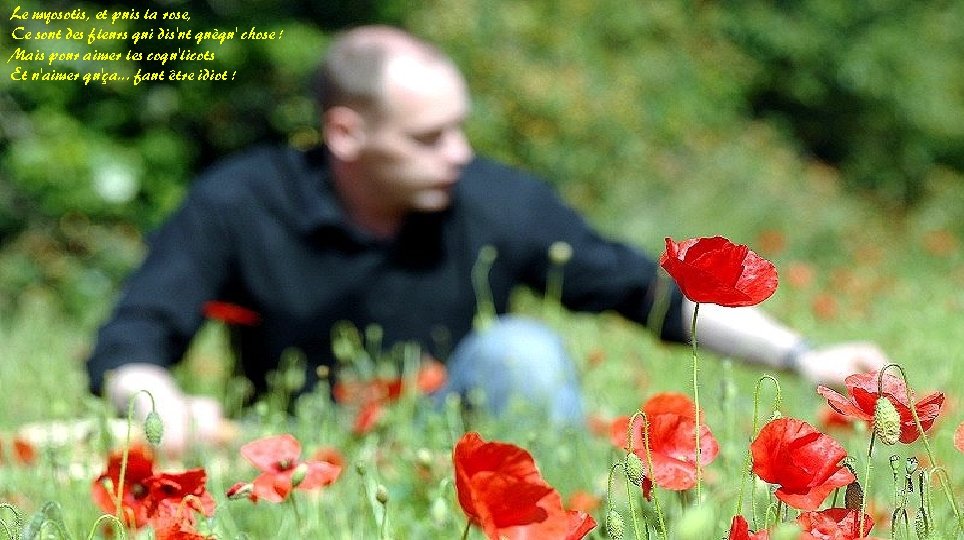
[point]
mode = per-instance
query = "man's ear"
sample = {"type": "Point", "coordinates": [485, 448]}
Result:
{"type": "Point", "coordinates": [344, 132]}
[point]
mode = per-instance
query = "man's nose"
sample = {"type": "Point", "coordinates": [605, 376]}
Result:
{"type": "Point", "coordinates": [457, 148]}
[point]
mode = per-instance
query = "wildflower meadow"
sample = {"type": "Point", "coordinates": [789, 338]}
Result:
{"type": "Point", "coordinates": [738, 460]}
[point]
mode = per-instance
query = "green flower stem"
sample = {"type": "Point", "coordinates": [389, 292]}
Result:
{"type": "Point", "coordinates": [107, 517]}
{"type": "Point", "coordinates": [945, 484]}
{"type": "Point", "coordinates": [17, 518]}
{"type": "Point", "coordinates": [649, 467]}
{"type": "Point", "coordinates": [465, 532]}
{"type": "Point", "coordinates": [926, 510]}
{"type": "Point", "coordinates": [294, 508]}
{"type": "Point", "coordinates": [119, 499]}
{"type": "Point", "coordinates": [696, 404]}
{"type": "Point", "coordinates": [630, 492]}
{"type": "Point", "coordinates": [49, 514]}
{"type": "Point", "coordinates": [748, 462]}
{"type": "Point", "coordinates": [485, 308]}
{"type": "Point", "coordinates": [384, 526]}
{"type": "Point", "coordinates": [867, 469]}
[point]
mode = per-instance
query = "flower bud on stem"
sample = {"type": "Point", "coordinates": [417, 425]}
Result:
{"type": "Point", "coordinates": [119, 500]}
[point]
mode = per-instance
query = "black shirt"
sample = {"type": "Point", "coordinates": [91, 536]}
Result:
{"type": "Point", "coordinates": [265, 230]}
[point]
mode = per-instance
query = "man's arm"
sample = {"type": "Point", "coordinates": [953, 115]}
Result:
{"type": "Point", "coordinates": [749, 334]}
{"type": "Point", "coordinates": [157, 315]}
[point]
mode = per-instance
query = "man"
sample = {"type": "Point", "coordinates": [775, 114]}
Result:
{"type": "Point", "coordinates": [384, 225]}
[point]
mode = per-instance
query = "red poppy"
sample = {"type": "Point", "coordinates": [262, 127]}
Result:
{"type": "Point", "coordinates": [240, 490]}
{"type": "Point", "coordinates": [176, 521]}
{"type": "Point", "coordinates": [671, 440]}
{"type": "Point", "coordinates": [717, 271]}
{"type": "Point", "coordinates": [23, 452]}
{"type": "Point", "coordinates": [559, 523]}
{"type": "Point", "coordinates": [368, 416]}
{"type": "Point", "coordinates": [175, 488]}
{"type": "Point", "coordinates": [500, 490]}
{"type": "Point", "coordinates": [862, 388]}
{"type": "Point", "coordinates": [139, 472]}
{"type": "Point", "coordinates": [231, 314]}
{"type": "Point", "coordinates": [277, 457]}
{"type": "Point", "coordinates": [583, 501]}
{"type": "Point", "coordinates": [370, 396]}
{"type": "Point", "coordinates": [799, 274]}
{"type": "Point", "coordinates": [740, 530]}
{"type": "Point", "coordinates": [828, 418]}
{"type": "Point", "coordinates": [802, 461]}
{"type": "Point", "coordinates": [431, 377]}
{"type": "Point", "coordinates": [359, 392]}
{"type": "Point", "coordinates": [329, 454]}
{"type": "Point", "coordinates": [833, 524]}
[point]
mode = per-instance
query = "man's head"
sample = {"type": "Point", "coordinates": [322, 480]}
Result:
{"type": "Point", "coordinates": [393, 108]}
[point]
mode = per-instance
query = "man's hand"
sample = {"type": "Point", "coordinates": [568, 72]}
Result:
{"type": "Point", "coordinates": [831, 365]}
{"type": "Point", "coordinates": [187, 419]}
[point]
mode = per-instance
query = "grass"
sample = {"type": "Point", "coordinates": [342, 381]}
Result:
{"type": "Point", "coordinates": [858, 275]}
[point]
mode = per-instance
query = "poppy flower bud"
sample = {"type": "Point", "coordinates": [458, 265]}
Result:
{"type": "Point", "coordinates": [886, 421]}
{"type": "Point", "coordinates": [423, 456]}
{"type": "Point", "coordinates": [920, 525]}
{"type": "Point", "coordinates": [439, 511]}
{"type": "Point", "coordinates": [895, 465]}
{"type": "Point", "coordinates": [634, 468]}
{"type": "Point", "coordinates": [239, 490]}
{"type": "Point", "coordinates": [854, 496]}
{"type": "Point", "coordinates": [153, 428]}
{"type": "Point", "coordinates": [911, 464]}
{"type": "Point", "coordinates": [298, 476]}
{"type": "Point", "coordinates": [614, 525]}
{"type": "Point", "coordinates": [381, 494]}
{"type": "Point", "coordinates": [560, 253]}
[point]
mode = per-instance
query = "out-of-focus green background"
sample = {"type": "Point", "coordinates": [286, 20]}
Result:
{"type": "Point", "coordinates": [827, 135]}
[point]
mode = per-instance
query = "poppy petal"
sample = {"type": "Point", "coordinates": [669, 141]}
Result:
{"type": "Point", "coordinates": [267, 453]}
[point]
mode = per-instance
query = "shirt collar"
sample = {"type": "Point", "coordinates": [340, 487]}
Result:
{"type": "Point", "coordinates": [316, 202]}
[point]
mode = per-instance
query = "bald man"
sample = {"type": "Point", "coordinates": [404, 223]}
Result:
{"type": "Point", "coordinates": [383, 225]}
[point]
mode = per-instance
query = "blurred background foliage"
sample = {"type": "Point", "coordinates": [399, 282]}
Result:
{"type": "Point", "coordinates": [656, 118]}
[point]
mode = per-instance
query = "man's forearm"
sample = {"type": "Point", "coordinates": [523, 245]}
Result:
{"type": "Point", "coordinates": [746, 333]}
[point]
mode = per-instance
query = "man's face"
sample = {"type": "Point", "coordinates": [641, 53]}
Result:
{"type": "Point", "coordinates": [415, 148]}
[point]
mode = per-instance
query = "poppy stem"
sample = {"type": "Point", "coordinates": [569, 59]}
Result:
{"type": "Point", "coordinates": [866, 486]}
{"type": "Point", "coordinates": [106, 517]}
{"type": "Point", "coordinates": [629, 484]}
{"type": "Point", "coordinates": [465, 533]}
{"type": "Point", "coordinates": [485, 311]}
{"type": "Point", "coordinates": [294, 508]}
{"type": "Point", "coordinates": [119, 499]}
{"type": "Point", "coordinates": [696, 403]}
{"type": "Point", "coordinates": [631, 496]}
{"type": "Point", "coordinates": [748, 462]}
{"type": "Point", "coordinates": [17, 518]}
{"type": "Point", "coordinates": [649, 467]}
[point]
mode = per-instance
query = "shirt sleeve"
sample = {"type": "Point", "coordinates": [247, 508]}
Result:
{"type": "Point", "coordinates": [159, 309]}
{"type": "Point", "coordinates": [602, 274]}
